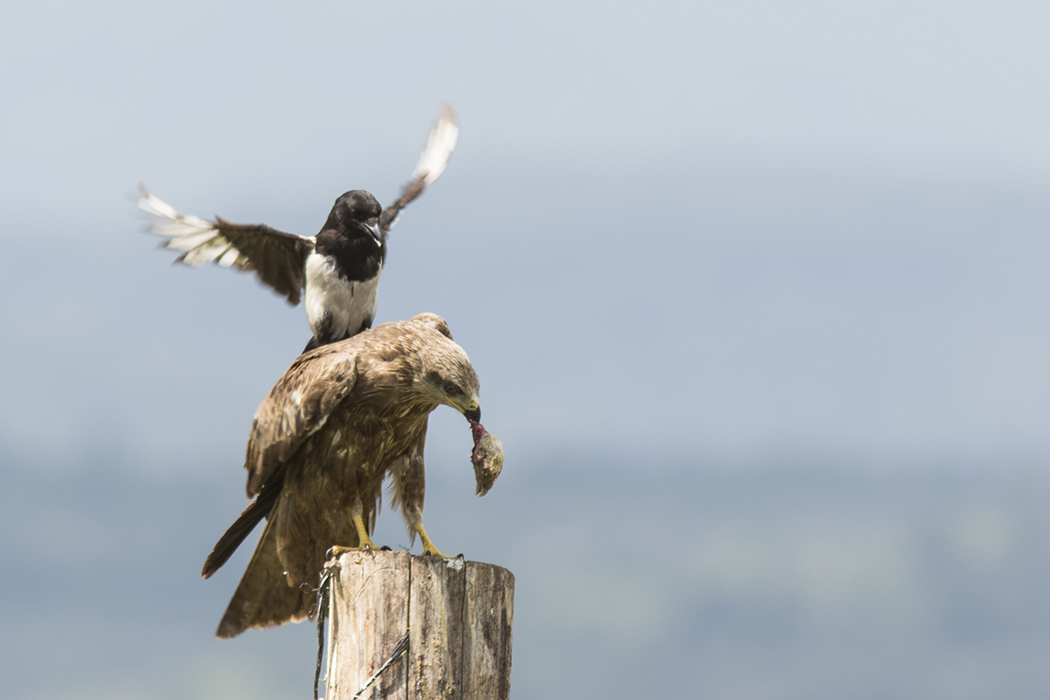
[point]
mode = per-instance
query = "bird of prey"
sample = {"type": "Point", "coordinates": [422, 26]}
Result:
{"type": "Point", "coordinates": [339, 267]}
{"type": "Point", "coordinates": [343, 417]}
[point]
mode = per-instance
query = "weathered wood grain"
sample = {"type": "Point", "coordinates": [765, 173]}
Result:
{"type": "Point", "coordinates": [369, 615]}
{"type": "Point", "coordinates": [457, 615]}
{"type": "Point", "coordinates": [487, 639]}
{"type": "Point", "coordinates": [436, 624]}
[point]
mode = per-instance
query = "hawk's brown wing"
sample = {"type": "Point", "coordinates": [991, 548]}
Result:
{"type": "Point", "coordinates": [278, 258]}
{"type": "Point", "coordinates": [296, 408]}
{"type": "Point", "coordinates": [440, 145]}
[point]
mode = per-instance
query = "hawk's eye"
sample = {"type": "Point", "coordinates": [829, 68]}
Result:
{"type": "Point", "coordinates": [451, 389]}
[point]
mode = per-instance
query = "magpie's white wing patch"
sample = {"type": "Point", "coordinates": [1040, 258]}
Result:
{"type": "Point", "coordinates": [278, 258]}
{"type": "Point", "coordinates": [440, 145]}
{"type": "Point", "coordinates": [199, 240]}
{"type": "Point", "coordinates": [433, 161]}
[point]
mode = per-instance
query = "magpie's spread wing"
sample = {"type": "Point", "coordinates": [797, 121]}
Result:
{"type": "Point", "coordinates": [278, 258]}
{"type": "Point", "coordinates": [432, 162]}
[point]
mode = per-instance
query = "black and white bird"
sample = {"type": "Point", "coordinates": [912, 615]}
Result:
{"type": "Point", "coordinates": [338, 268]}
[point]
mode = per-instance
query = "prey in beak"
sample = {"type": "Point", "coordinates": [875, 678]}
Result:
{"type": "Point", "coordinates": [487, 457]}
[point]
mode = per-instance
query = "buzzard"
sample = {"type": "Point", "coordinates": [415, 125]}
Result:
{"type": "Point", "coordinates": [339, 267]}
{"type": "Point", "coordinates": [343, 417]}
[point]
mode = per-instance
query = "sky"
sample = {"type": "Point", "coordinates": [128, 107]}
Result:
{"type": "Point", "coordinates": [679, 240]}
{"type": "Point", "coordinates": [737, 230]}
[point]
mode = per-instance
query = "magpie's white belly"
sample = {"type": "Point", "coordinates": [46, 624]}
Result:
{"type": "Point", "coordinates": [350, 304]}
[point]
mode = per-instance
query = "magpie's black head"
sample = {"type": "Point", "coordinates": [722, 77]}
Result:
{"type": "Point", "coordinates": [356, 212]}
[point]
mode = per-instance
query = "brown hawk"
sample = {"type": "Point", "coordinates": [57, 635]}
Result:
{"type": "Point", "coordinates": [341, 419]}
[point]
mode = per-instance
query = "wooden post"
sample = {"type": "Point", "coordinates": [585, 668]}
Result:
{"type": "Point", "coordinates": [457, 616]}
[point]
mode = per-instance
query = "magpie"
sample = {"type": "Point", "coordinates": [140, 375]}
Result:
{"type": "Point", "coordinates": [338, 268]}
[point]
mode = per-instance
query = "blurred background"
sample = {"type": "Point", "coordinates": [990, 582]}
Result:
{"type": "Point", "coordinates": [756, 292]}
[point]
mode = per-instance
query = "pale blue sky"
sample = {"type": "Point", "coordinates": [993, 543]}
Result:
{"type": "Point", "coordinates": [734, 229]}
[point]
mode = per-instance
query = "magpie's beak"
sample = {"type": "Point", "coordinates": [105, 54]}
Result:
{"type": "Point", "coordinates": [372, 226]}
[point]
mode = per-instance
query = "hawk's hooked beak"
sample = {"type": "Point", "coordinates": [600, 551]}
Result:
{"type": "Point", "coordinates": [372, 226]}
{"type": "Point", "coordinates": [472, 410]}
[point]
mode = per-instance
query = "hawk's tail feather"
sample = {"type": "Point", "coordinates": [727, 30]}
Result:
{"type": "Point", "coordinates": [245, 523]}
{"type": "Point", "coordinates": [263, 597]}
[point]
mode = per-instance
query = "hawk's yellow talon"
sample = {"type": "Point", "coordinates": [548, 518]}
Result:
{"type": "Point", "coordinates": [429, 550]}
{"type": "Point", "coordinates": [364, 541]}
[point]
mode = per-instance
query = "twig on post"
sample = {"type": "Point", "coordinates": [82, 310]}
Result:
{"type": "Point", "coordinates": [323, 590]}
{"type": "Point", "coordinates": [401, 648]}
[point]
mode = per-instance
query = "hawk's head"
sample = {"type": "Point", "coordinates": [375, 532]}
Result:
{"type": "Point", "coordinates": [447, 377]}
